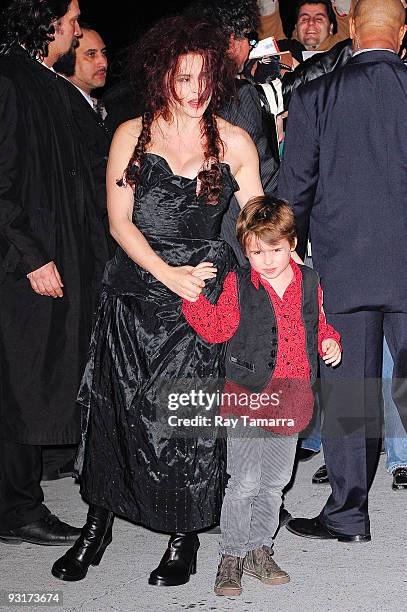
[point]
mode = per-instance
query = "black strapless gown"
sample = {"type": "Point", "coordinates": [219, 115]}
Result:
{"type": "Point", "coordinates": [142, 342]}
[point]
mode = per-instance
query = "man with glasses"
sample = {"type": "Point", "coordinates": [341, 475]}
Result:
{"type": "Point", "coordinates": [238, 20]}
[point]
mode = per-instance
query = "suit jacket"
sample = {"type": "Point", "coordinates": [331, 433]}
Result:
{"type": "Point", "coordinates": [245, 111]}
{"type": "Point", "coordinates": [47, 212]}
{"type": "Point", "coordinates": [316, 66]}
{"type": "Point", "coordinates": [95, 135]}
{"type": "Point", "coordinates": [96, 138]}
{"type": "Point", "coordinates": [344, 172]}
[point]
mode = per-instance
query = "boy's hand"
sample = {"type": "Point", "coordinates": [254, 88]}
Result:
{"type": "Point", "coordinates": [332, 353]}
{"type": "Point", "coordinates": [205, 270]}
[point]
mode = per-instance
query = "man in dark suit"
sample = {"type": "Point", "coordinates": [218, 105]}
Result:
{"type": "Point", "coordinates": [344, 174]}
{"type": "Point", "coordinates": [49, 284]}
{"type": "Point", "coordinates": [238, 20]}
{"type": "Point", "coordinates": [85, 68]}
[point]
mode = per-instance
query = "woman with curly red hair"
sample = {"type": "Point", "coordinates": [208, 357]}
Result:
{"type": "Point", "coordinates": [170, 176]}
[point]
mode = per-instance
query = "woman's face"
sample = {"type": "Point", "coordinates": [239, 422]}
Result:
{"type": "Point", "coordinates": [189, 84]}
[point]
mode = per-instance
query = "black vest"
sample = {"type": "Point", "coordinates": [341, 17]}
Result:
{"type": "Point", "coordinates": [252, 352]}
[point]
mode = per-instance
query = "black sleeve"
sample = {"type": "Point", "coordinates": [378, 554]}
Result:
{"type": "Point", "coordinates": [316, 66]}
{"type": "Point", "coordinates": [246, 113]}
{"type": "Point", "coordinates": [15, 228]}
{"type": "Point", "coordinates": [299, 170]}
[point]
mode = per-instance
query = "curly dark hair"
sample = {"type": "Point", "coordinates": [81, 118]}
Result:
{"type": "Point", "coordinates": [30, 23]}
{"type": "Point", "coordinates": [231, 16]}
{"type": "Point", "coordinates": [155, 60]}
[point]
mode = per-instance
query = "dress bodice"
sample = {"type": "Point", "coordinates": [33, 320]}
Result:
{"type": "Point", "coordinates": [167, 204]}
{"type": "Point", "coordinates": [178, 224]}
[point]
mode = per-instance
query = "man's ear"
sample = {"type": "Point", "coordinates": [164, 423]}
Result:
{"type": "Point", "coordinates": [403, 31]}
{"type": "Point", "coordinates": [294, 244]}
{"type": "Point", "coordinates": [232, 44]}
{"type": "Point", "coordinates": [352, 28]}
{"type": "Point", "coordinates": [331, 29]}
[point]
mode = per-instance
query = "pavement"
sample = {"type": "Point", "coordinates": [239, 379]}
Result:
{"type": "Point", "coordinates": [325, 575]}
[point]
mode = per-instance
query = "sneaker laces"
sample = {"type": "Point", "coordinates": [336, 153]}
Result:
{"type": "Point", "coordinates": [268, 562]}
{"type": "Point", "coordinates": [230, 568]}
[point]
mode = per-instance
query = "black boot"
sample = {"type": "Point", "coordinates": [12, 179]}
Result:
{"type": "Point", "coordinates": [178, 562]}
{"type": "Point", "coordinates": [88, 549]}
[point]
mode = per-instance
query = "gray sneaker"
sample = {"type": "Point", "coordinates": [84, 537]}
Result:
{"type": "Point", "coordinates": [229, 577]}
{"type": "Point", "coordinates": [260, 564]}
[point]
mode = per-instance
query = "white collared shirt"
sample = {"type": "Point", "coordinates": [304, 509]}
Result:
{"type": "Point", "coordinates": [372, 49]}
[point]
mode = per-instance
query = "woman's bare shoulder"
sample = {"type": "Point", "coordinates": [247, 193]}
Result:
{"type": "Point", "coordinates": [129, 130]}
{"type": "Point", "coordinates": [232, 135]}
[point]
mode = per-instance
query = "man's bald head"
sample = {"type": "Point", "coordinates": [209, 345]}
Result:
{"type": "Point", "coordinates": [379, 13]}
{"type": "Point", "coordinates": [378, 23]}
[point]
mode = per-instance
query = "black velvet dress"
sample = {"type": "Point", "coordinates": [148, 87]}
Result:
{"type": "Point", "coordinates": [132, 464]}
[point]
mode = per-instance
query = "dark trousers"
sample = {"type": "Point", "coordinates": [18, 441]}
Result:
{"type": "Point", "coordinates": [352, 400]}
{"type": "Point", "coordinates": [55, 457]}
{"type": "Point", "coordinates": [21, 496]}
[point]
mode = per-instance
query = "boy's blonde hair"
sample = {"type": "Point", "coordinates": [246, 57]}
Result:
{"type": "Point", "coordinates": [268, 219]}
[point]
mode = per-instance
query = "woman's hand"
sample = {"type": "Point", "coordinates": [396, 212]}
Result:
{"type": "Point", "coordinates": [181, 281]}
{"type": "Point", "coordinates": [204, 270]}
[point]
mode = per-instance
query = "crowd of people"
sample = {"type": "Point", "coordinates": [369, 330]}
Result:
{"type": "Point", "coordinates": [153, 260]}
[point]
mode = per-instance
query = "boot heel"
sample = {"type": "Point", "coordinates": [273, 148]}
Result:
{"type": "Point", "coordinates": [193, 565]}
{"type": "Point", "coordinates": [98, 557]}
{"type": "Point", "coordinates": [178, 562]}
{"type": "Point", "coordinates": [107, 540]}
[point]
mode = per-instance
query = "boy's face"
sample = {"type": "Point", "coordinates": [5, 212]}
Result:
{"type": "Point", "coordinates": [269, 260]}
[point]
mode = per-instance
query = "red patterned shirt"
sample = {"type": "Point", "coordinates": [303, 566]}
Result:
{"type": "Point", "coordinates": [218, 323]}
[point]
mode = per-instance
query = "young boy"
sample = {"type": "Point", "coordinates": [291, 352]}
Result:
{"type": "Point", "coordinates": [271, 314]}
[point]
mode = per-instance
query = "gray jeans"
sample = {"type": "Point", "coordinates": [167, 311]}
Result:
{"type": "Point", "coordinates": [260, 465]}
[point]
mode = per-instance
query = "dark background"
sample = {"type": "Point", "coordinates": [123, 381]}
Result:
{"type": "Point", "coordinates": [120, 26]}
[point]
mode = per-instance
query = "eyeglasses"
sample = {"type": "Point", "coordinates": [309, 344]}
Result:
{"type": "Point", "coordinates": [252, 37]}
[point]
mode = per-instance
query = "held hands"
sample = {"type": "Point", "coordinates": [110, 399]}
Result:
{"type": "Point", "coordinates": [188, 281]}
{"type": "Point", "coordinates": [332, 353]}
{"type": "Point", "coordinates": [205, 270]}
{"type": "Point", "coordinates": [46, 281]}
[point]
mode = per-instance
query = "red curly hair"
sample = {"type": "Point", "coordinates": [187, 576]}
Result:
{"type": "Point", "coordinates": [155, 61]}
